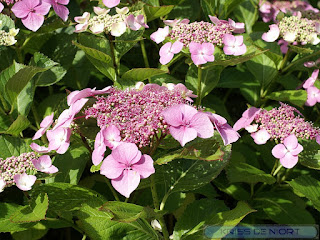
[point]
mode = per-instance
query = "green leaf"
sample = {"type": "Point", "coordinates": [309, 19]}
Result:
{"type": "Point", "coordinates": [71, 164]}
{"type": "Point", "coordinates": [35, 212]}
{"type": "Point", "coordinates": [54, 73]}
{"type": "Point", "coordinates": [6, 22]}
{"type": "Point", "coordinates": [247, 12]}
{"type": "Point", "coordinates": [12, 146]}
{"type": "Point", "coordinates": [208, 7]}
{"type": "Point", "coordinates": [190, 9]}
{"type": "Point", "coordinates": [125, 42]}
{"type": "Point", "coordinates": [8, 55]}
{"type": "Point", "coordinates": [156, 12]}
{"type": "Point", "coordinates": [310, 156]}
{"type": "Point", "coordinates": [20, 124]}
{"type": "Point", "coordinates": [34, 233]}
{"type": "Point", "coordinates": [25, 98]}
{"type": "Point", "coordinates": [209, 80]}
{"type": "Point", "coordinates": [297, 97]}
{"type": "Point", "coordinates": [99, 226]}
{"type": "Point", "coordinates": [309, 187]}
{"type": "Point", "coordinates": [263, 68]}
{"type": "Point", "coordinates": [6, 225]}
{"type": "Point", "coordinates": [18, 81]}
{"type": "Point", "coordinates": [199, 149]}
{"type": "Point", "coordinates": [243, 172]}
{"type": "Point", "coordinates": [5, 122]}
{"type": "Point", "coordinates": [234, 78]}
{"type": "Point", "coordinates": [100, 60]}
{"type": "Point", "coordinates": [228, 7]}
{"type": "Point", "coordinates": [194, 217]}
{"type": "Point", "coordinates": [65, 197]}
{"type": "Point", "coordinates": [127, 212]}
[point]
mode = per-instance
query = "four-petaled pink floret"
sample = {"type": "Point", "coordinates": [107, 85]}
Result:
{"type": "Point", "coordinates": [272, 34]}
{"type": "Point", "coordinates": [201, 53]}
{"type": "Point", "coordinates": [24, 181]}
{"type": "Point", "coordinates": [168, 50]}
{"type": "Point", "coordinates": [44, 164]}
{"type": "Point", "coordinates": [233, 45]}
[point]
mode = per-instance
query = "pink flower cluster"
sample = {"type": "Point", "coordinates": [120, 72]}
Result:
{"type": "Point", "coordinates": [200, 38]}
{"type": "Point", "coordinates": [270, 9]}
{"type": "Point", "coordinates": [284, 125]}
{"type": "Point", "coordinates": [116, 24]}
{"type": "Point", "coordinates": [20, 170]}
{"type": "Point", "coordinates": [312, 91]}
{"type": "Point", "coordinates": [32, 12]}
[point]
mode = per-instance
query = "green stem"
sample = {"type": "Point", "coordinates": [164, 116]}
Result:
{"type": "Point", "coordinates": [4, 103]}
{"type": "Point", "coordinates": [113, 55]}
{"type": "Point", "coordinates": [252, 189]}
{"type": "Point", "coordinates": [198, 103]}
{"type": "Point", "coordinates": [277, 170]}
{"type": "Point", "coordinates": [144, 54]}
{"type": "Point", "coordinates": [114, 193]}
{"type": "Point", "coordinates": [156, 206]}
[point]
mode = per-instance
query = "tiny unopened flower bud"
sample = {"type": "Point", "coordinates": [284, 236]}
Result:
{"type": "Point", "coordinates": [156, 225]}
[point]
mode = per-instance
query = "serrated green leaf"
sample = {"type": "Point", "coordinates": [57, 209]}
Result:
{"type": "Point", "coordinates": [20, 124]}
{"type": "Point", "coordinates": [243, 172]}
{"type": "Point", "coordinates": [126, 41]}
{"type": "Point", "coordinates": [309, 187]}
{"type": "Point", "coordinates": [297, 97]}
{"type": "Point", "coordinates": [310, 156]}
{"type": "Point", "coordinates": [34, 212]}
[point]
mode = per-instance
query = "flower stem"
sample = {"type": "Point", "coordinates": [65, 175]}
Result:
{"type": "Point", "coordinates": [114, 193]}
{"type": "Point", "coordinates": [113, 55]}
{"type": "Point", "coordinates": [199, 85]}
{"type": "Point", "coordinates": [144, 54]}
{"type": "Point", "coordinates": [157, 206]}
{"type": "Point", "coordinates": [277, 170]}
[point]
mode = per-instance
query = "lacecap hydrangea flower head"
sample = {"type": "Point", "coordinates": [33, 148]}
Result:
{"type": "Point", "coordinates": [285, 125]}
{"type": "Point", "coordinates": [132, 124]}
{"type": "Point", "coordinates": [199, 39]}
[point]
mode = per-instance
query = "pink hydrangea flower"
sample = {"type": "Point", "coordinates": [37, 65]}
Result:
{"type": "Point", "coordinates": [311, 80]}
{"type": "Point", "coordinates": [174, 22]}
{"type": "Point", "coordinates": [168, 50]}
{"type": "Point", "coordinates": [238, 27]}
{"type": "Point", "coordinates": [313, 96]}
{"type": "Point", "coordinates": [59, 139]}
{"type": "Point", "coordinates": [59, 8]}
{"type": "Point", "coordinates": [31, 12]}
{"type": "Point", "coordinates": [288, 151]}
{"type": "Point", "coordinates": [112, 136]}
{"type": "Point", "coordinates": [272, 34]}
{"type": "Point", "coordinates": [2, 184]}
{"type": "Point", "coordinates": [39, 149]}
{"type": "Point", "coordinates": [99, 148]}
{"type": "Point", "coordinates": [201, 53]}
{"type": "Point", "coordinates": [160, 34]}
{"type": "Point", "coordinates": [125, 166]}
{"type": "Point", "coordinates": [44, 164]}
{"type": "Point", "coordinates": [233, 45]}
{"type": "Point", "coordinates": [135, 23]}
{"type": "Point", "coordinates": [318, 139]}
{"type": "Point", "coordinates": [111, 3]}
{"type": "Point", "coordinates": [247, 118]}
{"type": "Point", "coordinates": [227, 133]}
{"type": "Point", "coordinates": [188, 94]}
{"type": "Point", "coordinates": [87, 92]}
{"type": "Point", "coordinates": [44, 125]}
{"type": "Point", "coordinates": [186, 123]}
{"type": "Point", "coordinates": [83, 22]}
{"type": "Point", "coordinates": [261, 137]}
{"type": "Point", "coordinates": [1, 7]}
{"type": "Point", "coordinates": [24, 182]}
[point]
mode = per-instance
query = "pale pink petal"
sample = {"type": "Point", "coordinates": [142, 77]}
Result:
{"type": "Point", "coordinates": [165, 49]}
{"type": "Point", "coordinates": [102, 91]}
{"type": "Point", "coordinates": [21, 9]}
{"type": "Point", "coordinates": [81, 27]}
{"type": "Point", "coordinates": [111, 168]}
{"type": "Point", "coordinates": [126, 183]}
{"type": "Point", "coordinates": [240, 50]}
{"type": "Point", "coordinates": [165, 59]}
{"type": "Point", "coordinates": [98, 154]}
{"type": "Point", "coordinates": [132, 23]}
{"type": "Point", "coordinates": [24, 182]}
{"type": "Point", "coordinates": [260, 137]}
{"type": "Point", "coordinates": [297, 150]}
{"type": "Point", "coordinates": [2, 184]}
{"type": "Point", "coordinates": [43, 8]}
{"type": "Point", "coordinates": [194, 47]}
{"type": "Point", "coordinates": [183, 134]}
{"type": "Point", "coordinates": [198, 59]}
{"type": "Point", "coordinates": [289, 161]}
{"type": "Point", "coordinates": [202, 124]}
{"type": "Point", "coordinates": [83, 19]}
{"type": "Point", "coordinates": [160, 34]}
{"type": "Point", "coordinates": [311, 80]}
{"type": "Point", "coordinates": [140, 19]}
{"type": "Point", "coordinates": [63, 2]}
{"type": "Point", "coordinates": [117, 29]}
{"type": "Point", "coordinates": [290, 142]}
{"type": "Point", "coordinates": [39, 149]}
{"type": "Point", "coordinates": [61, 11]}
{"type": "Point", "coordinates": [33, 21]}
{"type": "Point", "coordinates": [111, 3]}
{"type": "Point", "coordinates": [229, 50]}
{"type": "Point", "coordinates": [127, 153]}
{"type": "Point", "coordinates": [241, 123]}
{"type": "Point", "coordinates": [77, 106]}
{"type": "Point", "coordinates": [1, 8]}
{"type": "Point", "coordinates": [51, 170]}
{"type": "Point", "coordinates": [39, 133]}
{"type": "Point", "coordinates": [44, 164]}
{"type": "Point", "coordinates": [59, 139]}
{"type": "Point", "coordinates": [229, 40]}
{"type": "Point", "coordinates": [76, 95]}
{"type": "Point", "coordinates": [279, 151]}
{"type": "Point", "coordinates": [228, 134]}
{"type": "Point", "coordinates": [176, 47]}
{"type": "Point", "coordinates": [111, 136]}
{"type": "Point", "coordinates": [144, 167]}
{"type": "Point", "coordinates": [173, 116]}
{"type": "Point", "coordinates": [272, 34]}
{"type": "Point", "coordinates": [318, 139]}
{"type": "Point", "coordinates": [209, 58]}
{"type": "Point", "coordinates": [207, 48]}
{"type": "Point", "coordinates": [47, 121]}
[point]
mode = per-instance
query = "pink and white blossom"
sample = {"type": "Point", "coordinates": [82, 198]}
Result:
{"type": "Point", "coordinates": [111, 3]}
{"type": "Point", "coordinates": [261, 137]}
{"type": "Point", "coordinates": [111, 136]}
{"type": "Point", "coordinates": [247, 118]}
{"type": "Point", "coordinates": [117, 29]}
{"type": "Point", "coordinates": [227, 133]}
{"type": "Point", "coordinates": [160, 34]}
{"type": "Point", "coordinates": [31, 12]}
{"type": "Point", "coordinates": [238, 27]}
{"type": "Point", "coordinates": [135, 23]}
{"type": "Point", "coordinates": [83, 22]}
{"type": "Point", "coordinates": [313, 96]}
{"type": "Point", "coordinates": [125, 166]}
{"type": "Point", "coordinates": [44, 125]}
{"type": "Point", "coordinates": [2, 184]}
{"type": "Point", "coordinates": [99, 148]}
{"type": "Point", "coordinates": [87, 92]}
{"type": "Point", "coordinates": [233, 45]}
{"type": "Point", "coordinates": [24, 181]}
{"type": "Point", "coordinates": [59, 7]}
{"type": "Point", "coordinates": [186, 123]}
{"type": "Point", "coordinates": [39, 149]}
{"type": "Point", "coordinates": [99, 10]}
{"type": "Point", "coordinates": [122, 11]}
{"type": "Point", "coordinates": [44, 164]}
{"type": "Point", "coordinates": [272, 34]}
{"type": "Point", "coordinates": [201, 53]}
{"type": "Point", "coordinates": [311, 80]}
{"type": "Point", "coordinates": [59, 139]}
{"type": "Point", "coordinates": [186, 93]}
{"type": "Point", "coordinates": [252, 128]}
{"type": "Point", "coordinates": [288, 151]}
{"type": "Point", "coordinates": [168, 50]}
{"type": "Point", "coordinates": [174, 22]}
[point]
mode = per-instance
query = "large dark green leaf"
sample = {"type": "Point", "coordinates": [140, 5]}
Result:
{"type": "Point", "coordinates": [156, 12]}
{"type": "Point", "coordinates": [297, 97]}
{"type": "Point", "coordinates": [310, 156]}
{"type": "Point", "coordinates": [12, 146]}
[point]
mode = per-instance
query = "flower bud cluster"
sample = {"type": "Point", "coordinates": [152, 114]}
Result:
{"type": "Point", "coordinates": [7, 38]}
{"type": "Point", "coordinates": [11, 166]}
{"type": "Point", "coordinates": [283, 121]}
